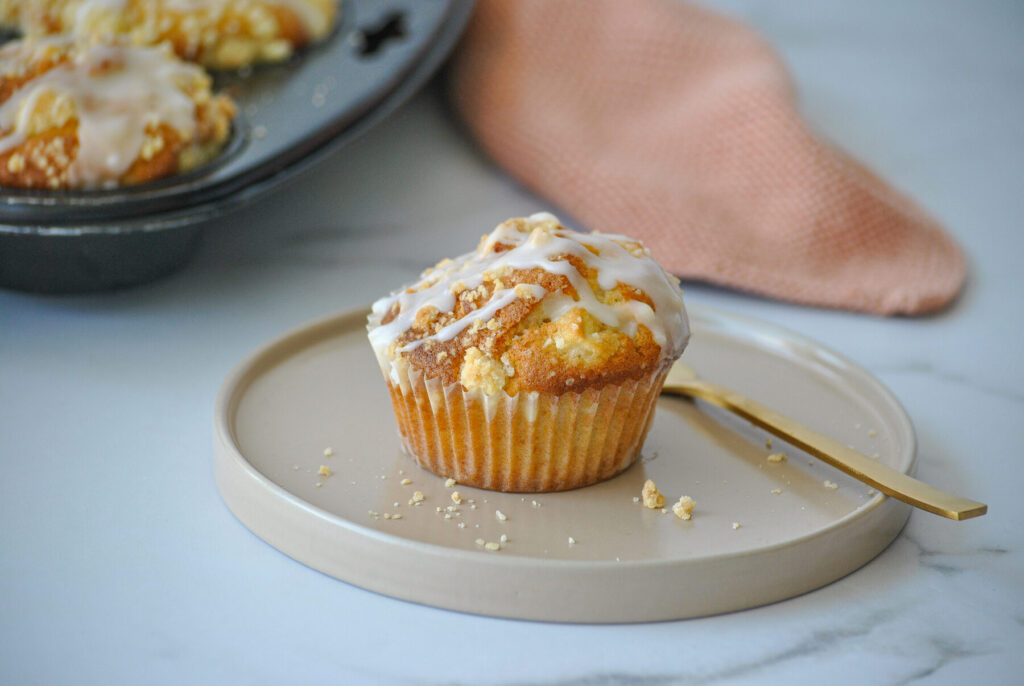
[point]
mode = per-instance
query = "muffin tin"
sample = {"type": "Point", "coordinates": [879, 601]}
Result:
{"type": "Point", "coordinates": [289, 116]}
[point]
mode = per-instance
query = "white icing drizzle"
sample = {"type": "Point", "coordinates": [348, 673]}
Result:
{"type": "Point", "coordinates": [117, 92]}
{"type": "Point", "coordinates": [544, 240]}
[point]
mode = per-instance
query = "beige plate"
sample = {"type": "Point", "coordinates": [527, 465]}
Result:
{"type": "Point", "coordinates": [320, 387]}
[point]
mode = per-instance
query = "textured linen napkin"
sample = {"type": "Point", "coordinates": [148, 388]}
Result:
{"type": "Point", "coordinates": [673, 124]}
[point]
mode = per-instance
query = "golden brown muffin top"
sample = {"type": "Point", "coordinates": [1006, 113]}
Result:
{"type": "Point", "coordinates": [537, 307]}
{"type": "Point", "coordinates": [220, 34]}
{"type": "Point", "coordinates": [84, 114]}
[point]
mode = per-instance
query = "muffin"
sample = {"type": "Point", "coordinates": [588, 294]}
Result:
{"type": "Point", "coordinates": [77, 115]}
{"type": "Point", "coordinates": [534, 363]}
{"type": "Point", "coordinates": [219, 34]}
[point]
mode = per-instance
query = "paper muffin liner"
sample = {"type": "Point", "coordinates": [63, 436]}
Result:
{"type": "Point", "coordinates": [529, 443]}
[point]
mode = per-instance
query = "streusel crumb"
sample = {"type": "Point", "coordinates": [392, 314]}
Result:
{"type": "Point", "coordinates": [684, 508]}
{"type": "Point", "coordinates": [652, 497]}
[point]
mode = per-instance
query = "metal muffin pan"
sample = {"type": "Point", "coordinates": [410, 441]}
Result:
{"type": "Point", "coordinates": [289, 116]}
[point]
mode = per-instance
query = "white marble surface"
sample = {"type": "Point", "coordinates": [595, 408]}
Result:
{"type": "Point", "coordinates": [119, 563]}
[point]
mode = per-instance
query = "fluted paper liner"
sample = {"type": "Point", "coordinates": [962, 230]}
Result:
{"type": "Point", "coordinates": [531, 442]}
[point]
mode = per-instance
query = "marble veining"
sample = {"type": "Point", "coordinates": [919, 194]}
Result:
{"type": "Point", "coordinates": [931, 371]}
{"type": "Point", "coordinates": [948, 562]}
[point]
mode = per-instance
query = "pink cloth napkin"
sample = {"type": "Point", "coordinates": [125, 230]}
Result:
{"type": "Point", "coordinates": [673, 124]}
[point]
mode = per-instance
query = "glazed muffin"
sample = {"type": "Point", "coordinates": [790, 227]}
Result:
{"type": "Point", "coordinates": [77, 115]}
{"type": "Point", "coordinates": [534, 363]}
{"type": "Point", "coordinates": [219, 34]}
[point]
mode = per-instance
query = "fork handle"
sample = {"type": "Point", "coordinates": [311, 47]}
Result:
{"type": "Point", "coordinates": [856, 464]}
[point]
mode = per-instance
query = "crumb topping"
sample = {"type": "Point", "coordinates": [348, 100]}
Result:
{"type": "Point", "coordinates": [222, 34]}
{"type": "Point", "coordinates": [684, 508]}
{"type": "Point", "coordinates": [88, 115]}
{"type": "Point", "coordinates": [536, 307]}
{"type": "Point", "coordinates": [651, 496]}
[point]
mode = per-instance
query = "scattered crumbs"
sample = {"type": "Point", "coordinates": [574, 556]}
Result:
{"type": "Point", "coordinates": [259, 132]}
{"type": "Point", "coordinates": [396, 516]}
{"type": "Point", "coordinates": [405, 482]}
{"type": "Point", "coordinates": [768, 443]}
{"type": "Point", "coordinates": [636, 499]}
{"type": "Point", "coordinates": [491, 545]}
{"type": "Point", "coordinates": [500, 515]}
{"type": "Point", "coordinates": [387, 515]}
{"type": "Point", "coordinates": [875, 456]}
{"type": "Point", "coordinates": [456, 497]}
{"type": "Point", "coordinates": [776, 458]}
{"type": "Point", "coordinates": [417, 498]}
{"type": "Point", "coordinates": [449, 483]}
{"type": "Point", "coordinates": [503, 539]}
{"type": "Point", "coordinates": [395, 504]}
{"type": "Point", "coordinates": [472, 505]}
{"type": "Point", "coordinates": [872, 492]}
{"type": "Point", "coordinates": [328, 452]}
{"type": "Point", "coordinates": [776, 491]}
{"type": "Point", "coordinates": [295, 467]}
{"type": "Point", "coordinates": [325, 470]}
{"type": "Point", "coordinates": [437, 509]}
{"type": "Point", "coordinates": [664, 511]}
{"type": "Point", "coordinates": [372, 513]}
{"type": "Point", "coordinates": [872, 433]}
{"type": "Point", "coordinates": [736, 525]}
{"type": "Point", "coordinates": [319, 484]}
{"type": "Point", "coordinates": [684, 508]}
{"type": "Point", "coordinates": [479, 541]}
{"type": "Point", "coordinates": [447, 515]}
{"type": "Point", "coordinates": [572, 541]}
{"type": "Point", "coordinates": [652, 497]}
{"type": "Point", "coordinates": [618, 559]}
{"type": "Point", "coordinates": [534, 503]}
{"type": "Point", "coordinates": [831, 485]}
{"type": "Point", "coordinates": [401, 472]}
{"type": "Point", "coordinates": [462, 525]}
{"type": "Point", "coordinates": [383, 476]}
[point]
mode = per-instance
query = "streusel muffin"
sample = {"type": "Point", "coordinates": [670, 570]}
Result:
{"type": "Point", "coordinates": [534, 363]}
{"type": "Point", "coordinates": [89, 115]}
{"type": "Point", "coordinates": [219, 34]}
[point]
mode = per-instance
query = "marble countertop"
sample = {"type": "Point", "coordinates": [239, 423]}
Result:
{"type": "Point", "coordinates": [119, 563]}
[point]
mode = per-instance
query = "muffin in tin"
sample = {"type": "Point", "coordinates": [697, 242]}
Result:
{"type": "Point", "coordinates": [85, 115]}
{"type": "Point", "coordinates": [219, 34]}
{"type": "Point", "coordinates": [534, 363]}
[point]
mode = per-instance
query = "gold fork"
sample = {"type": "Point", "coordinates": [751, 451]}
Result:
{"type": "Point", "coordinates": [683, 380]}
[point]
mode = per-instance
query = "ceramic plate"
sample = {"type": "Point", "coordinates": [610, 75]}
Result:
{"type": "Point", "coordinates": [762, 531]}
